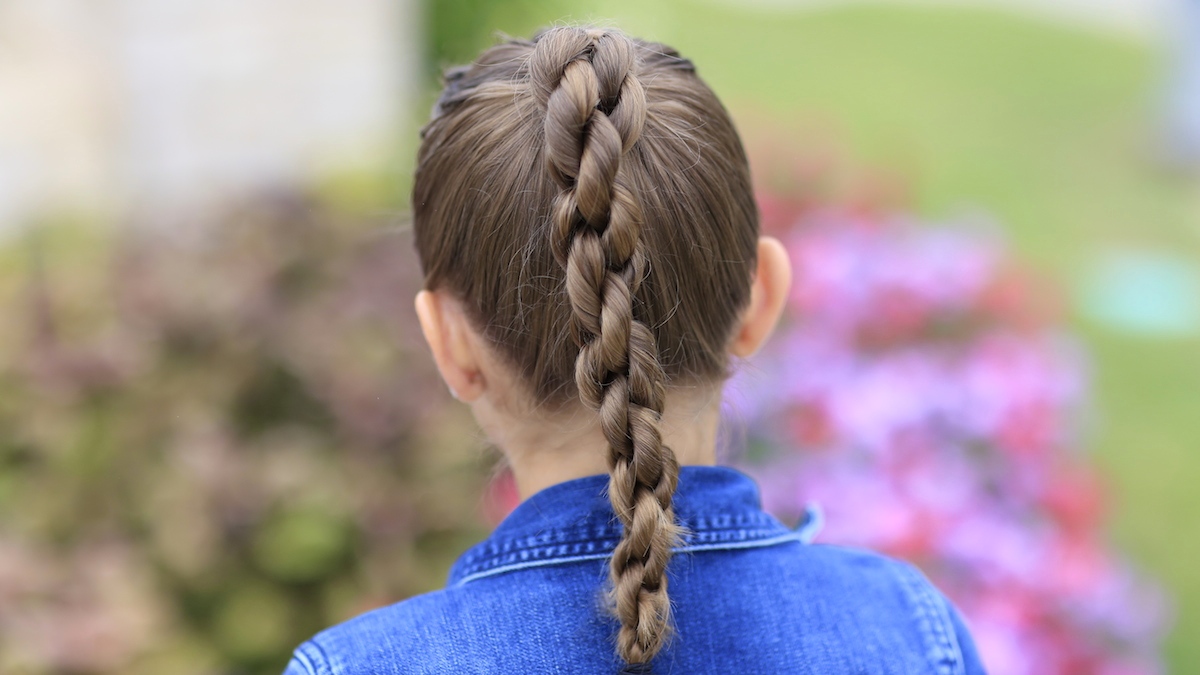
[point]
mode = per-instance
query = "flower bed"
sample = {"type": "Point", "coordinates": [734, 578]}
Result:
{"type": "Point", "coordinates": [921, 392]}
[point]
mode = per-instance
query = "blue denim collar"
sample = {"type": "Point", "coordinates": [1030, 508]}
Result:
{"type": "Point", "coordinates": [719, 508]}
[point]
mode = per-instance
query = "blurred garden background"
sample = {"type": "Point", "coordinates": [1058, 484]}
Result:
{"type": "Point", "coordinates": [219, 431]}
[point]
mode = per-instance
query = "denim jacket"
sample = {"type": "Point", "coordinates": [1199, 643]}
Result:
{"type": "Point", "coordinates": [750, 595]}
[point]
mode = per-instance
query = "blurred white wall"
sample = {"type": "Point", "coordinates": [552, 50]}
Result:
{"type": "Point", "coordinates": [111, 104]}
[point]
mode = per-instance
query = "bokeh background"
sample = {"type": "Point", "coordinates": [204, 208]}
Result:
{"type": "Point", "coordinates": [219, 432]}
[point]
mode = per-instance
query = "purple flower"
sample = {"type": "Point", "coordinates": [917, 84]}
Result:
{"type": "Point", "coordinates": [933, 427]}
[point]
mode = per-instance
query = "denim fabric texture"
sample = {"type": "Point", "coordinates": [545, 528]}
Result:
{"type": "Point", "coordinates": [750, 595]}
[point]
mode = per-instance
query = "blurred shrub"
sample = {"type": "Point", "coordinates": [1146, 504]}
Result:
{"type": "Point", "coordinates": [211, 448]}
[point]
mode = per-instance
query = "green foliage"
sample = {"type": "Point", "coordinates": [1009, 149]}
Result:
{"type": "Point", "coordinates": [301, 545]}
{"type": "Point", "coordinates": [211, 447]}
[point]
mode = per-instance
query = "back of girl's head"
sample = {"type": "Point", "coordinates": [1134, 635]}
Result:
{"type": "Point", "coordinates": [586, 198]}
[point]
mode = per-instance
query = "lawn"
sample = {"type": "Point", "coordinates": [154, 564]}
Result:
{"type": "Point", "coordinates": [1048, 129]}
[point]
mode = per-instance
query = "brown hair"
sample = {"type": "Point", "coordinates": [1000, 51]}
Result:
{"type": "Point", "coordinates": [585, 185]}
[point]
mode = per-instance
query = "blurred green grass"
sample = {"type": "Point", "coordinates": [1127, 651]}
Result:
{"type": "Point", "coordinates": [1048, 128]}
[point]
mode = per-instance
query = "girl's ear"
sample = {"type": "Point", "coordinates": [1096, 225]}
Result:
{"type": "Point", "coordinates": [768, 295]}
{"type": "Point", "coordinates": [449, 337]}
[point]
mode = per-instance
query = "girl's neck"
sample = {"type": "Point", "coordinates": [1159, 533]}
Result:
{"type": "Point", "coordinates": [547, 451]}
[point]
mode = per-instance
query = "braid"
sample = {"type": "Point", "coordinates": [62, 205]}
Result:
{"type": "Point", "coordinates": [595, 110]}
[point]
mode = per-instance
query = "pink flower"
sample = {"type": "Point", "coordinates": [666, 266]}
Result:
{"type": "Point", "coordinates": [914, 395]}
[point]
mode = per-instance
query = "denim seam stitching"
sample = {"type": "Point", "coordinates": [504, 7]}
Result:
{"type": "Point", "coordinates": [314, 666]}
{"type": "Point", "coordinates": [702, 528]}
{"type": "Point", "coordinates": [757, 543]}
{"type": "Point", "coordinates": [943, 655]}
{"type": "Point", "coordinates": [304, 662]}
{"type": "Point", "coordinates": [948, 632]}
{"type": "Point", "coordinates": [507, 553]}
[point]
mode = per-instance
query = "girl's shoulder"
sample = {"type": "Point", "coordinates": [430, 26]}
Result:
{"type": "Point", "coordinates": [853, 610]}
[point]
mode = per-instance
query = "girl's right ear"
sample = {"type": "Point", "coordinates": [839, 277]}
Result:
{"type": "Point", "coordinates": [448, 335]}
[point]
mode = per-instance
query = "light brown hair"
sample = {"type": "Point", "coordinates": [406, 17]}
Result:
{"type": "Point", "coordinates": [587, 199]}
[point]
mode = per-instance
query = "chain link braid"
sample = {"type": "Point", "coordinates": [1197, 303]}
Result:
{"type": "Point", "coordinates": [595, 111]}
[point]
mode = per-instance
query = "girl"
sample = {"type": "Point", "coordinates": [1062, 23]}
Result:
{"type": "Point", "coordinates": [585, 221]}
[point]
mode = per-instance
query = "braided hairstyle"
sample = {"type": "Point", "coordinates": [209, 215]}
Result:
{"type": "Point", "coordinates": [587, 185]}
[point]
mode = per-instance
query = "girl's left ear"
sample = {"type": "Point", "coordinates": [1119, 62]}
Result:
{"type": "Point", "coordinates": [768, 295]}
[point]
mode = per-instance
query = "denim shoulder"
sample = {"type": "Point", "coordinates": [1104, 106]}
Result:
{"type": "Point", "coordinates": [356, 645]}
{"type": "Point", "coordinates": [937, 623]}
{"type": "Point", "coordinates": [843, 603]}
